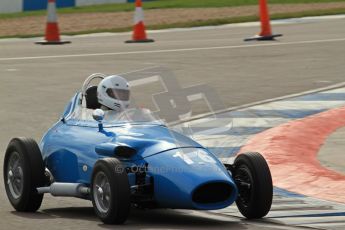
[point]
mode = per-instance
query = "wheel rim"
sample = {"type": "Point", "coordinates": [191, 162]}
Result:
{"type": "Point", "coordinates": [244, 183]}
{"type": "Point", "coordinates": [101, 192]}
{"type": "Point", "coordinates": [15, 176]}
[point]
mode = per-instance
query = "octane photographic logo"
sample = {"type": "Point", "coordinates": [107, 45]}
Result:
{"type": "Point", "coordinates": [190, 156]}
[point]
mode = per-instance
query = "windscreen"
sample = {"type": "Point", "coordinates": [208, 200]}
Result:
{"type": "Point", "coordinates": [131, 115]}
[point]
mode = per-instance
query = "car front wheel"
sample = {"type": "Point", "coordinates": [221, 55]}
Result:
{"type": "Point", "coordinates": [23, 173]}
{"type": "Point", "coordinates": [255, 190]}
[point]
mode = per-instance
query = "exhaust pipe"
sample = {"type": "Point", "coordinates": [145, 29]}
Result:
{"type": "Point", "coordinates": [66, 189]}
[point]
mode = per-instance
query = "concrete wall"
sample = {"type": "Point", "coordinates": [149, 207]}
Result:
{"type": "Point", "coordinates": [94, 2]}
{"type": "Point", "coordinates": [10, 6]}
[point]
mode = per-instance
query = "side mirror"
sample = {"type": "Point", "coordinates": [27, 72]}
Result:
{"type": "Point", "coordinates": [98, 115]}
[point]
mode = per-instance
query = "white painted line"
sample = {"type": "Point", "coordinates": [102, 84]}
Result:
{"type": "Point", "coordinates": [327, 224]}
{"type": "Point", "coordinates": [237, 122]}
{"type": "Point", "coordinates": [174, 50]}
{"type": "Point", "coordinates": [311, 220]}
{"type": "Point", "coordinates": [341, 90]}
{"type": "Point", "coordinates": [224, 141]}
{"type": "Point", "coordinates": [209, 122]}
{"type": "Point", "coordinates": [326, 17]}
{"type": "Point", "coordinates": [258, 122]}
{"type": "Point", "coordinates": [216, 130]}
{"type": "Point", "coordinates": [312, 105]}
{"type": "Point", "coordinates": [339, 87]}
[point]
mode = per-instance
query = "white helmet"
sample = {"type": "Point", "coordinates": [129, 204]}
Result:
{"type": "Point", "coordinates": [113, 92]}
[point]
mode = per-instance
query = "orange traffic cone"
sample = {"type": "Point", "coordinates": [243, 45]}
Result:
{"type": "Point", "coordinates": [266, 33]}
{"type": "Point", "coordinates": [139, 33]}
{"type": "Point", "coordinates": [52, 36]}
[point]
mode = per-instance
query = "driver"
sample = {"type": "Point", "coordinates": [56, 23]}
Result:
{"type": "Point", "coordinates": [113, 94]}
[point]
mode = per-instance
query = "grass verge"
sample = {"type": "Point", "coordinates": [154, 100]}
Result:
{"type": "Point", "coordinates": [161, 4]}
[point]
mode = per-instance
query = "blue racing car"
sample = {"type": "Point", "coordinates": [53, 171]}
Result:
{"type": "Point", "coordinates": [129, 159]}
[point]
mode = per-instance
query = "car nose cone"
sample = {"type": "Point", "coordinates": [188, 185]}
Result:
{"type": "Point", "coordinates": [191, 178]}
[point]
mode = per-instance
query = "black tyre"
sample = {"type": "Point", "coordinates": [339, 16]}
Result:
{"type": "Point", "coordinates": [253, 179]}
{"type": "Point", "coordinates": [110, 191]}
{"type": "Point", "coordinates": [23, 173]}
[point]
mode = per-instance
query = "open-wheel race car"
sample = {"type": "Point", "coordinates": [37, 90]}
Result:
{"type": "Point", "coordinates": [129, 159]}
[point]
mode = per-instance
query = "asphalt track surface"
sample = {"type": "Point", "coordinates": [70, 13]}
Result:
{"type": "Point", "coordinates": [37, 81]}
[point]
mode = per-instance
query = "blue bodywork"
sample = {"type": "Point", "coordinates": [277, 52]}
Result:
{"type": "Point", "coordinates": [176, 166]}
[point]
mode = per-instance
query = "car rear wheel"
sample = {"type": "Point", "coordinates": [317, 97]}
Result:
{"type": "Point", "coordinates": [23, 173]}
{"type": "Point", "coordinates": [255, 190]}
{"type": "Point", "coordinates": [110, 191]}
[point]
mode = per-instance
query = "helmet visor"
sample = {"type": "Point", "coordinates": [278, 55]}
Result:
{"type": "Point", "coordinates": [118, 94]}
